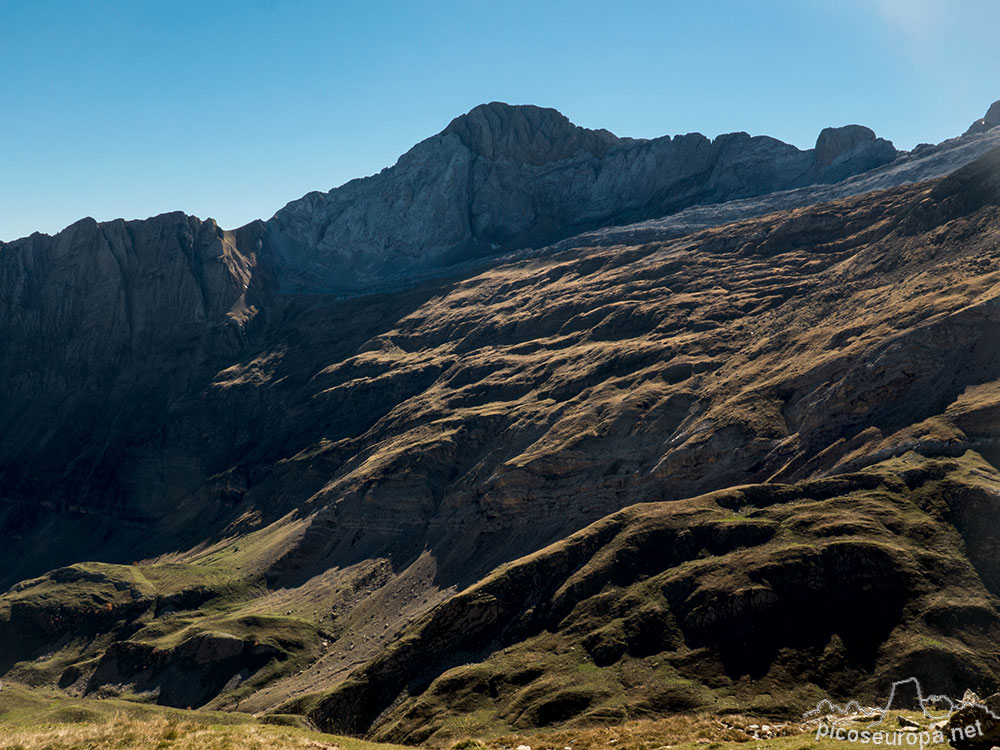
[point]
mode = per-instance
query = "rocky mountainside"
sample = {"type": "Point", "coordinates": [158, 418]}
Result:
{"type": "Point", "coordinates": [926, 162]}
{"type": "Point", "coordinates": [502, 178]}
{"type": "Point", "coordinates": [749, 464]}
{"type": "Point", "coordinates": [988, 122]}
{"type": "Point", "coordinates": [105, 329]}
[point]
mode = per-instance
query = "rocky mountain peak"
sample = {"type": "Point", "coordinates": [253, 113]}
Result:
{"type": "Point", "coordinates": [990, 121]}
{"type": "Point", "coordinates": [854, 146]}
{"type": "Point", "coordinates": [526, 134]}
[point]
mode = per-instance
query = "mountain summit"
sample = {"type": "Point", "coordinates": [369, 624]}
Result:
{"type": "Point", "coordinates": [989, 121]}
{"type": "Point", "coordinates": [527, 134]}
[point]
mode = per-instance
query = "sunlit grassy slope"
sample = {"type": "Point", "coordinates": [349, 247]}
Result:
{"type": "Point", "coordinates": [49, 720]}
{"type": "Point", "coordinates": [36, 719]}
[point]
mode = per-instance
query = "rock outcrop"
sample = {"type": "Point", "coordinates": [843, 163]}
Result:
{"type": "Point", "coordinates": [988, 122]}
{"type": "Point", "coordinates": [846, 151]}
{"type": "Point", "coordinates": [976, 725]}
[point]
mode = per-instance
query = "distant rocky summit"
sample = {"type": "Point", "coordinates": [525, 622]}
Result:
{"type": "Point", "coordinates": [505, 177]}
{"type": "Point", "coordinates": [990, 121]}
{"type": "Point", "coordinates": [841, 152]}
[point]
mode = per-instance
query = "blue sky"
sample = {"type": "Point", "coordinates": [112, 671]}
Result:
{"type": "Point", "coordinates": [231, 109]}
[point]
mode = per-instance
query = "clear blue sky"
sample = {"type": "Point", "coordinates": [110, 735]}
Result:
{"type": "Point", "coordinates": [231, 109]}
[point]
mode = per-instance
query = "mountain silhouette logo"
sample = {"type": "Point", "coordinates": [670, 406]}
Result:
{"type": "Point", "coordinates": [904, 694]}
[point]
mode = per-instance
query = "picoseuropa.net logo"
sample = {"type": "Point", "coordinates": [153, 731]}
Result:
{"type": "Point", "coordinates": [944, 720]}
{"type": "Point", "coordinates": [898, 737]}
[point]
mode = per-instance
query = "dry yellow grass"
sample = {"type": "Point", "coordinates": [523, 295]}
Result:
{"type": "Point", "coordinates": [159, 733]}
{"type": "Point", "coordinates": [643, 734]}
{"type": "Point", "coordinates": [42, 719]}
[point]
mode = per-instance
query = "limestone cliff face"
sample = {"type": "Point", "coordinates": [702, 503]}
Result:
{"type": "Point", "coordinates": [118, 290]}
{"type": "Point", "coordinates": [102, 328]}
{"type": "Point", "coordinates": [504, 177]}
{"type": "Point", "coordinates": [989, 121]}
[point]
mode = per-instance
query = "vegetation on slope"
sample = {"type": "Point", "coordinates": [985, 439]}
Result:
{"type": "Point", "coordinates": [50, 720]}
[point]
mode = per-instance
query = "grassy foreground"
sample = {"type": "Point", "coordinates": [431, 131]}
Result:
{"type": "Point", "coordinates": [49, 720]}
{"type": "Point", "coordinates": [682, 731]}
{"type": "Point", "coordinates": [44, 719]}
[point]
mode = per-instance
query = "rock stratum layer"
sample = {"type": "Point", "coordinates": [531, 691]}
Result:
{"type": "Point", "coordinates": [743, 466]}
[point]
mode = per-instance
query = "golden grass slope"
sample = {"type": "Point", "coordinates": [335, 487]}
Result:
{"type": "Point", "coordinates": [49, 720]}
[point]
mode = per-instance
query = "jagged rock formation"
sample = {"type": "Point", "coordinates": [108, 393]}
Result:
{"type": "Point", "coordinates": [926, 162]}
{"type": "Point", "coordinates": [983, 716]}
{"type": "Point", "coordinates": [990, 121]}
{"type": "Point", "coordinates": [591, 482]}
{"type": "Point", "coordinates": [503, 177]}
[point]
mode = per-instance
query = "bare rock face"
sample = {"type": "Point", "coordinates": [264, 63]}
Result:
{"type": "Point", "coordinates": [505, 177]}
{"type": "Point", "coordinates": [842, 152]}
{"type": "Point", "coordinates": [103, 328]}
{"type": "Point", "coordinates": [527, 135]}
{"type": "Point", "coordinates": [990, 121]}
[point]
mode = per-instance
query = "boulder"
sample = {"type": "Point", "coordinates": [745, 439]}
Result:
{"type": "Point", "coordinates": [976, 726]}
